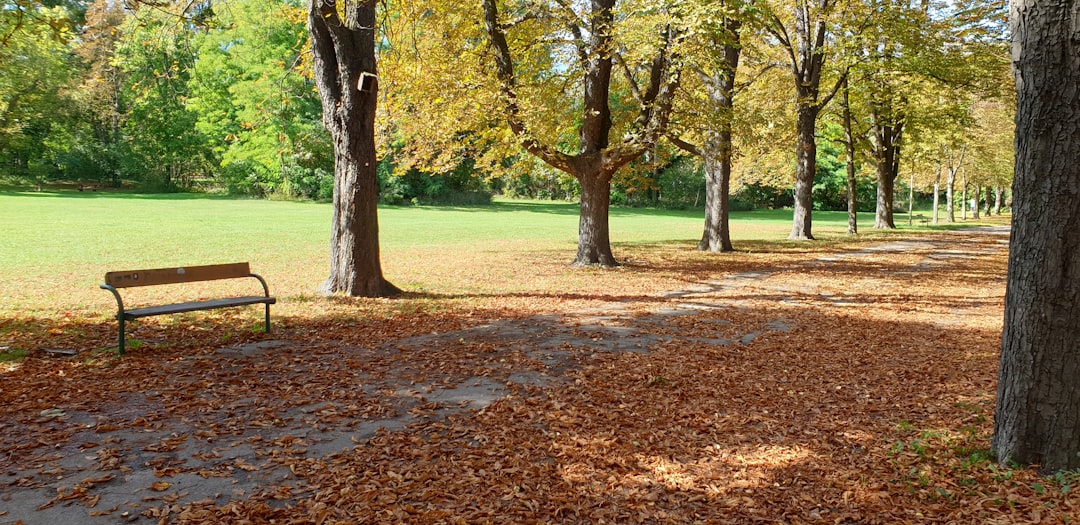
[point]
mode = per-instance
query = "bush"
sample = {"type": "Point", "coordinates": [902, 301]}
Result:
{"type": "Point", "coordinates": [307, 183]}
{"type": "Point", "coordinates": [760, 196]}
{"type": "Point", "coordinates": [460, 187]}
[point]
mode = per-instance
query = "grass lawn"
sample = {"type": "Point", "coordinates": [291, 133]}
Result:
{"type": "Point", "coordinates": [57, 246]}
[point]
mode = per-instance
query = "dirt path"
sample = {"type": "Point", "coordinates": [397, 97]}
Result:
{"type": "Point", "coordinates": [144, 456]}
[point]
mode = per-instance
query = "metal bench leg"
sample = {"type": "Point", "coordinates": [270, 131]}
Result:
{"type": "Point", "coordinates": [267, 318]}
{"type": "Point", "coordinates": [121, 346]}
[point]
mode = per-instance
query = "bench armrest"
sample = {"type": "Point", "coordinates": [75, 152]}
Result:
{"type": "Point", "coordinates": [119, 315]}
{"type": "Point", "coordinates": [266, 289]}
{"type": "Point", "coordinates": [119, 301]}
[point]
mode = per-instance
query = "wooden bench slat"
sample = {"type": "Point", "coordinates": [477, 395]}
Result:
{"type": "Point", "coordinates": [185, 274]}
{"type": "Point", "coordinates": [148, 311]}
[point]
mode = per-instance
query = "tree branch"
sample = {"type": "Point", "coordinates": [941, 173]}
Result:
{"type": "Point", "coordinates": [685, 146]}
{"type": "Point", "coordinates": [634, 89]}
{"type": "Point", "coordinates": [504, 70]}
{"type": "Point", "coordinates": [655, 110]}
{"type": "Point", "coordinates": [836, 88]}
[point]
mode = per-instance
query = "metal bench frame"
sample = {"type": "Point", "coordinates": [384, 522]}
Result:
{"type": "Point", "coordinates": [159, 276]}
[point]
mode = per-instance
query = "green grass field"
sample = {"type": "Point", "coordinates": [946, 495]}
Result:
{"type": "Point", "coordinates": [57, 246]}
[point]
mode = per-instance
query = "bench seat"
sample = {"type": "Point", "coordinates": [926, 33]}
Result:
{"type": "Point", "coordinates": [193, 306]}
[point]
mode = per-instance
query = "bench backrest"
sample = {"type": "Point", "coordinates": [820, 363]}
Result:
{"type": "Point", "coordinates": [187, 274]}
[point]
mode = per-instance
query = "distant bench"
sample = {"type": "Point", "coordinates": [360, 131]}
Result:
{"type": "Point", "coordinates": [188, 274]}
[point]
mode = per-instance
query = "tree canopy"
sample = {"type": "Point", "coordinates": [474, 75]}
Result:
{"type": "Point", "coordinates": [181, 96]}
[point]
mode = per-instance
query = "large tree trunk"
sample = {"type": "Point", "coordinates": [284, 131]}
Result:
{"type": "Point", "coordinates": [807, 55]}
{"type": "Point", "coordinates": [888, 169]}
{"type": "Point", "coordinates": [805, 169]}
{"type": "Point", "coordinates": [887, 137]}
{"type": "Point", "coordinates": [716, 237]}
{"type": "Point", "coordinates": [1037, 421]}
{"type": "Point", "coordinates": [886, 189]}
{"type": "Point", "coordinates": [345, 74]}
{"type": "Point", "coordinates": [594, 238]}
{"type": "Point", "coordinates": [717, 234]}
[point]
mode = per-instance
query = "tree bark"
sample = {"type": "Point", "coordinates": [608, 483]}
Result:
{"type": "Point", "coordinates": [344, 63]}
{"type": "Point", "coordinates": [1037, 420]}
{"type": "Point", "coordinates": [716, 236]}
{"type": "Point", "coordinates": [911, 195]}
{"type": "Point", "coordinates": [950, 198]}
{"type": "Point", "coordinates": [964, 197]}
{"type": "Point", "coordinates": [998, 197]}
{"type": "Point", "coordinates": [886, 189]}
{"type": "Point", "coordinates": [976, 201]}
{"type": "Point", "coordinates": [717, 149]}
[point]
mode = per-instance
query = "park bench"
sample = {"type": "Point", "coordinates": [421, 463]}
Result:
{"type": "Point", "coordinates": [188, 274]}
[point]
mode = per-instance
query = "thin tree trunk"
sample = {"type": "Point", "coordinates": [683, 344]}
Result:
{"type": "Point", "coordinates": [989, 202]}
{"type": "Point", "coordinates": [963, 196]}
{"type": "Point", "coordinates": [976, 202]}
{"type": "Point", "coordinates": [937, 192]}
{"type": "Point", "coordinates": [849, 147]}
{"type": "Point", "coordinates": [950, 197]}
{"type": "Point", "coordinates": [950, 185]}
{"type": "Point", "coordinates": [1037, 418]}
{"type": "Point", "coordinates": [805, 169]}
{"type": "Point", "coordinates": [998, 197]}
{"type": "Point", "coordinates": [910, 195]}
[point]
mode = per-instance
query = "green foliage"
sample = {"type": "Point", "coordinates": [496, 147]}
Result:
{"type": "Point", "coordinates": [461, 186]}
{"type": "Point", "coordinates": [164, 149]}
{"type": "Point", "coordinates": [830, 182]}
{"type": "Point", "coordinates": [761, 196]}
{"type": "Point", "coordinates": [259, 113]}
{"type": "Point", "coordinates": [222, 97]}
{"type": "Point", "coordinates": [671, 183]}
{"type": "Point", "coordinates": [33, 73]}
{"type": "Point", "coordinates": [11, 355]}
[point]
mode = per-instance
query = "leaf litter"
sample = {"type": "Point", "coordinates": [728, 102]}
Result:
{"type": "Point", "coordinates": [778, 387]}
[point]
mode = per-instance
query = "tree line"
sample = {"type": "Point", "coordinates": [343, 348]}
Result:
{"type": "Point", "coordinates": [223, 98]}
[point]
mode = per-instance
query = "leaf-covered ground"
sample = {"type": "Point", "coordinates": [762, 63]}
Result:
{"type": "Point", "coordinates": [821, 384]}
